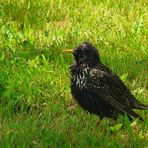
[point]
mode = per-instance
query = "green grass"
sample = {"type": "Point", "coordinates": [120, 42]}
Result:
{"type": "Point", "coordinates": [36, 107]}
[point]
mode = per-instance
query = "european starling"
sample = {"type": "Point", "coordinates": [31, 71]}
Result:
{"type": "Point", "coordinates": [98, 90]}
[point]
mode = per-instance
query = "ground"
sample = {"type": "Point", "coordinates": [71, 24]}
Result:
{"type": "Point", "coordinates": [36, 107]}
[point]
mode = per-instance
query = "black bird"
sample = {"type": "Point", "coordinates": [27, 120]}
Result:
{"type": "Point", "coordinates": [98, 90]}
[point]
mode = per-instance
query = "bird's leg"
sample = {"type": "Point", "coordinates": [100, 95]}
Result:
{"type": "Point", "coordinates": [99, 121]}
{"type": "Point", "coordinates": [115, 116]}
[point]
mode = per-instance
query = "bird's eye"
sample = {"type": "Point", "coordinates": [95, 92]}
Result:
{"type": "Point", "coordinates": [78, 51]}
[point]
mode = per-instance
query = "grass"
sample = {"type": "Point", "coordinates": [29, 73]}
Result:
{"type": "Point", "coordinates": [36, 107]}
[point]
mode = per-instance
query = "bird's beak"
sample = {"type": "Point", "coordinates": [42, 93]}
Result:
{"type": "Point", "coordinates": [68, 51]}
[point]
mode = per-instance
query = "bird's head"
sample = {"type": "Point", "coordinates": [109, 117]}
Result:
{"type": "Point", "coordinates": [85, 53]}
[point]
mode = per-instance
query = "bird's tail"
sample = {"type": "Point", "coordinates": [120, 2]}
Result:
{"type": "Point", "coordinates": [141, 106]}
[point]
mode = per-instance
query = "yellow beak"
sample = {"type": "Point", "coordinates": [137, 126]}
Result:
{"type": "Point", "coordinates": [68, 50]}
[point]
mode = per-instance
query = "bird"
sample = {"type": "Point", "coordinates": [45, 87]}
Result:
{"type": "Point", "coordinates": [97, 89]}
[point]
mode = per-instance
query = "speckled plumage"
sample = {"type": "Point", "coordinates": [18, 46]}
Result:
{"type": "Point", "coordinates": [96, 89]}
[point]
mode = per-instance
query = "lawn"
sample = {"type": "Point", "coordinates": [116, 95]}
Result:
{"type": "Point", "coordinates": [36, 106]}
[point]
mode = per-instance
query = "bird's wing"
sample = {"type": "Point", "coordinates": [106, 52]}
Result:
{"type": "Point", "coordinates": [110, 88]}
{"type": "Point", "coordinates": [118, 87]}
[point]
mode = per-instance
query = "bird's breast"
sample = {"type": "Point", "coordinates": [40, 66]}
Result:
{"type": "Point", "coordinates": [79, 78]}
